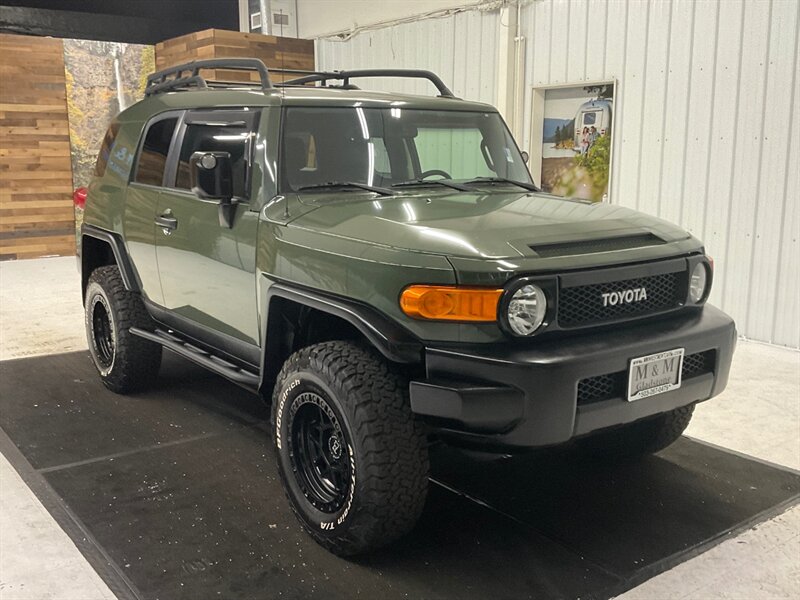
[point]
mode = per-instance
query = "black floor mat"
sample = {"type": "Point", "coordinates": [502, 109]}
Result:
{"type": "Point", "coordinates": [177, 488]}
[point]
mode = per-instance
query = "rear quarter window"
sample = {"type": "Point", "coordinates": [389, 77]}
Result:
{"type": "Point", "coordinates": [153, 155]}
{"type": "Point", "coordinates": [105, 149]}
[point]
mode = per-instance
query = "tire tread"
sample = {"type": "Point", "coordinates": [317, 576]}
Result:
{"type": "Point", "coordinates": [392, 473]}
{"type": "Point", "coordinates": [136, 360]}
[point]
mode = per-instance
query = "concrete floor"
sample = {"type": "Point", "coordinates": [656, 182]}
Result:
{"type": "Point", "coordinates": [758, 415]}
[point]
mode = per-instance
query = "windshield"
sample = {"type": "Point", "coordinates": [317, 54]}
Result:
{"type": "Point", "coordinates": [386, 146]}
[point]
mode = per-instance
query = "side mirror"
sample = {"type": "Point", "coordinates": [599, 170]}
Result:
{"type": "Point", "coordinates": [525, 156]}
{"type": "Point", "coordinates": [212, 176]}
{"type": "Point", "coordinates": [212, 179]}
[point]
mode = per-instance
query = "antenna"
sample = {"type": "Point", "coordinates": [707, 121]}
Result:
{"type": "Point", "coordinates": [283, 52]}
{"type": "Point", "coordinates": [280, 137]}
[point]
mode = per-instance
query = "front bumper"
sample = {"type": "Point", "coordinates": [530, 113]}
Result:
{"type": "Point", "coordinates": [507, 396]}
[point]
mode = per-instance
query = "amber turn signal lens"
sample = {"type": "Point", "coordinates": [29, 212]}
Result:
{"type": "Point", "coordinates": [450, 303]}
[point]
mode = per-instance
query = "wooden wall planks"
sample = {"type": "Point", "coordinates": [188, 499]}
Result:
{"type": "Point", "coordinates": [36, 213]}
{"type": "Point", "coordinates": [290, 53]}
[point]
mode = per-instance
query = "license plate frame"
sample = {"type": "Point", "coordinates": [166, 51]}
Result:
{"type": "Point", "coordinates": [647, 375]}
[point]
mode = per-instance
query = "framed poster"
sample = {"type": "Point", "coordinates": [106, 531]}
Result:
{"type": "Point", "coordinates": [571, 140]}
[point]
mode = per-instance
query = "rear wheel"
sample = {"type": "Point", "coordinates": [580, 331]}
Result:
{"type": "Point", "coordinates": [352, 457]}
{"type": "Point", "coordinates": [642, 437]}
{"type": "Point", "coordinates": [125, 362]}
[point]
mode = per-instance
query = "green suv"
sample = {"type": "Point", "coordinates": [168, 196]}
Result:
{"type": "Point", "coordinates": [382, 269]}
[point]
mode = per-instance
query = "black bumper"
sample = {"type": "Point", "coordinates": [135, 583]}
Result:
{"type": "Point", "coordinates": [507, 396]}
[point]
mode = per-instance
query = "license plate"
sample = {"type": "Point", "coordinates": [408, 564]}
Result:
{"type": "Point", "coordinates": [655, 374]}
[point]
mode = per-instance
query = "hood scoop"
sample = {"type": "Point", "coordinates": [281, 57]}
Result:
{"type": "Point", "coordinates": [627, 242]}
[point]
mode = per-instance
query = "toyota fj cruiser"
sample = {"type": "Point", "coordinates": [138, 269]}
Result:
{"type": "Point", "coordinates": [382, 268]}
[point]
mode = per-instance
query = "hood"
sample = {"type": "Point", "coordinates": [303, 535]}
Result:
{"type": "Point", "coordinates": [496, 225]}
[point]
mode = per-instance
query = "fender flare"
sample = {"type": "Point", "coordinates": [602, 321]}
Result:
{"type": "Point", "coordinates": [129, 277]}
{"type": "Point", "coordinates": [391, 339]}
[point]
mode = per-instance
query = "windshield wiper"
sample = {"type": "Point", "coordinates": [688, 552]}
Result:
{"type": "Point", "coordinates": [347, 184]}
{"type": "Point", "coordinates": [524, 185]}
{"type": "Point", "coordinates": [423, 182]}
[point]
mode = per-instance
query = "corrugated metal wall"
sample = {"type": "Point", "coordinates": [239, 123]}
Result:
{"type": "Point", "coordinates": [461, 48]}
{"type": "Point", "coordinates": [708, 118]}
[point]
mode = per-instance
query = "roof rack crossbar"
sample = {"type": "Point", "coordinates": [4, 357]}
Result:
{"type": "Point", "coordinates": [345, 76]}
{"type": "Point", "coordinates": [174, 84]}
{"type": "Point", "coordinates": [173, 78]}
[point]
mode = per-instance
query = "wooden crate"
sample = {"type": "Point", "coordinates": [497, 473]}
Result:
{"type": "Point", "coordinates": [275, 52]}
{"type": "Point", "coordinates": [36, 212]}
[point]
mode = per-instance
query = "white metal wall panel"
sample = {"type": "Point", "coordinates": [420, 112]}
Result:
{"type": "Point", "coordinates": [654, 107]}
{"type": "Point", "coordinates": [703, 135]}
{"type": "Point", "coordinates": [747, 130]}
{"type": "Point", "coordinates": [615, 45]}
{"type": "Point", "coordinates": [707, 110]}
{"type": "Point", "coordinates": [630, 120]}
{"type": "Point", "coordinates": [561, 40]}
{"type": "Point", "coordinates": [706, 106]}
{"type": "Point", "coordinates": [778, 187]}
{"type": "Point", "coordinates": [595, 47]}
{"type": "Point", "coordinates": [785, 315]}
{"type": "Point", "coordinates": [462, 49]}
{"type": "Point", "coordinates": [676, 112]}
{"type": "Point", "coordinates": [577, 38]}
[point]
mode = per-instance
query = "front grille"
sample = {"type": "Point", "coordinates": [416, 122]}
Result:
{"type": "Point", "coordinates": [612, 385]}
{"type": "Point", "coordinates": [592, 246]}
{"type": "Point", "coordinates": [583, 305]}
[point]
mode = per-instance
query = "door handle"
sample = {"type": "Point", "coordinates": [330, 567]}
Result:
{"type": "Point", "coordinates": [167, 222]}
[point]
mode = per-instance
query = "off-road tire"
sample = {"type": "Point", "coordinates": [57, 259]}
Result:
{"type": "Point", "coordinates": [134, 361]}
{"type": "Point", "coordinates": [640, 438]}
{"type": "Point", "coordinates": [386, 445]}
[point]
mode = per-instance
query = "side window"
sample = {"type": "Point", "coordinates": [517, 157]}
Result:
{"type": "Point", "coordinates": [105, 150]}
{"type": "Point", "coordinates": [215, 138]}
{"type": "Point", "coordinates": [153, 156]}
{"type": "Point", "coordinates": [455, 151]}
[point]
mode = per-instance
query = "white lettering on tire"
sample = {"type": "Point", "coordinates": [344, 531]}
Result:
{"type": "Point", "coordinates": [331, 525]}
{"type": "Point", "coordinates": [279, 418]}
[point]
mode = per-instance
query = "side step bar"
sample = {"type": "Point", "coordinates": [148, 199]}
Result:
{"type": "Point", "coordinates": [197, 355]}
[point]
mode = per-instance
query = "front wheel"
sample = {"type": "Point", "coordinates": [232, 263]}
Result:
{"type": "Point", "coordinates": [352, 457]}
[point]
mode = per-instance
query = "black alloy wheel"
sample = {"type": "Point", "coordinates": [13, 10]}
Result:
{"type": "Point", "coordinates": [125, 362]}
{"type": "Point", "coordinates": [102, 332]}
{"type": "Point", "coordinates": [318, 453]}
{"type": "Point", "coordinates": [352, 457]}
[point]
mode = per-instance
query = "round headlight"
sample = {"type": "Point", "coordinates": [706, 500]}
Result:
{"type": "Point", "coordinates": [526, 309]}
{"type": "Point", "coordinates": [697, 285]}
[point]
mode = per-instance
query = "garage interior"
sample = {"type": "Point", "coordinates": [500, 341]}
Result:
{"type": "Point", "coordinates": [174, 492]}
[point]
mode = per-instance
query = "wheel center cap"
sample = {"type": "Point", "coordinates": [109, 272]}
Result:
{"type": "Point", "coordinates": [335, 447]}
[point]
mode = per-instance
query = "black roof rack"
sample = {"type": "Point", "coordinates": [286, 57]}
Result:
{"type": "Point", "coordinates": [345, 76]}
{"type": "Point", "coordinates": [188, 75]}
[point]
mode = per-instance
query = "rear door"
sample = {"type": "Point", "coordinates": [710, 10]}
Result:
{"type": "Point", "coordinates": [141, 200]}
{"type": "Point", "coordinates": [207, 269]}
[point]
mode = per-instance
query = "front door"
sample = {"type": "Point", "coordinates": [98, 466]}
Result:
{"type": "Point", "coordinates": [207, 268]}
